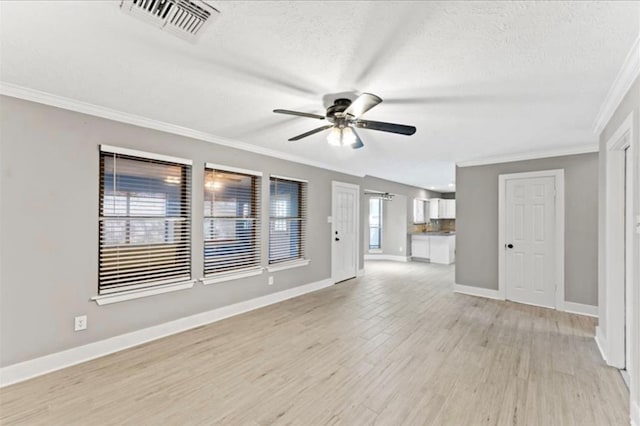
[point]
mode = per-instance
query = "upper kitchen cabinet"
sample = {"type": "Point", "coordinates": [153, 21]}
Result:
{"type": "Point", "coordinates": [419, 213]}
{"type": "Point", "coordinates": [449, 207]}
{"type": "Point", "coordinates": [442, 209]}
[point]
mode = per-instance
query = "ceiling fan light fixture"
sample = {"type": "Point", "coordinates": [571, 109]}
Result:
{"type": "Point", "coordinates": [335, 137]}
{"type": "Point", "coordinates": [348, 137]}
{"type": "Point", "coordinates": [341, 136]}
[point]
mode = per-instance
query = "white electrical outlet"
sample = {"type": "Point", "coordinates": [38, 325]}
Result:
{"type": "Point", "coordinates": [271, 280]}
{"type": "Point", "coordinates": [400, 249]}
{"type": "Point", "coordinates": [80, 323]}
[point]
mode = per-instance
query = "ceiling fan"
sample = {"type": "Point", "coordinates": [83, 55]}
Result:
{"type": "Point", "coordinates": [344, 116]}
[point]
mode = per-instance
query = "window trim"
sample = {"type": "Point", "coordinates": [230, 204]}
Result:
{"type": "Point", "coordinates": [281, 266]}
{"type": "Point", "coordinates": [224, 168]}
{"type": "Point", "coordinates": [288, 178]}
{"type": "Point", "coordinates": [221, 277]}
{"type": "Point", "coordinates": [145, 155]}
{"type": "Point", "coordinates": [107, 299]}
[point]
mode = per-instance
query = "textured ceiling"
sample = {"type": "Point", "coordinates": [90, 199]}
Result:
{"type": "Point", "coordinates": [477, 79]}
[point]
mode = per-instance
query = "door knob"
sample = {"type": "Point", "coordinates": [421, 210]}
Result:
{"type": "Point", "coordinates": [509, 245]}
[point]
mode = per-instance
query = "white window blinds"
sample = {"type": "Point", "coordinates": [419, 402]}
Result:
{"type": "Point", "coordinates": [231, 220]}
{"type": "Point", "coordinates": [287, 219]}
{"type": "Point", "coordinates": [145, 222]}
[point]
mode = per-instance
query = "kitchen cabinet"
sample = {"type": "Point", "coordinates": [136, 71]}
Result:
{"type": "Point", "coordinates": [435, 247]}
{"type": "Point", "coordinates": [447, 209]}
{"type": "Point", "coordinates": [420, 246]}
{"type": "Point", "coordinates": [442, 249]}
{"type": "Point", "coordinates": [434, 208]}
{"type": "Point", "coordinates": [419, 214]}
{"type": "Point", "coordinates": [442, 209]}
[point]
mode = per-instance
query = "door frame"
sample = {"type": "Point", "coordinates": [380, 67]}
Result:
{"type": "Point", "coordinates": [613, 310]}
{"type": "Point", "coordinates": [558, 174]}
{"type": "Point", "coordinates": [335, 184]}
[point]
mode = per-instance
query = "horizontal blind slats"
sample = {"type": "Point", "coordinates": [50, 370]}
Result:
{"type": "Point", "coordinates": [144, 223]}
{"type": "Point", "coordinates": [287, 219]}
{"type": "Point", "coordinates": [232, 206]}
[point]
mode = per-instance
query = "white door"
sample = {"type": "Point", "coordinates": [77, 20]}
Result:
{"type": "Point", "coordinates": [530, 241]}
{"type": "Point", "coordinates": [344, 231]}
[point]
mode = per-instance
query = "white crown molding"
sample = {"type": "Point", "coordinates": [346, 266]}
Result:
{"type": "Point", "coordinates": [580, 149]}
{"type": "Point", "coordinates": [623, 81]}
{"type": "Point", "coordinates": [20, 92]}
{"type": "Point", "coordinates": [36, 367]}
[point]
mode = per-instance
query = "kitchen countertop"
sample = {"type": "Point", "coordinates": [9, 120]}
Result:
{"type": "Point", "coordinates": [437, 233]}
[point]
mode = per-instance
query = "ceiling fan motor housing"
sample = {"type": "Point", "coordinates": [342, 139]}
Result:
{"type": "Point", "coordinates": [338, 107]}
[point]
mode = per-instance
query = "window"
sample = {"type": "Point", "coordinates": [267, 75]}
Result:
{"type": "Point", "coordinates": [419, 211]}
{"type": "Point", "coordinates": [375, 223]}
{"type": "Point", "coordinates": [231, 220]}
{"type": "Point", "coordinates": [145, 221]}
{"type": "Point", "coordinates": [287, 219]}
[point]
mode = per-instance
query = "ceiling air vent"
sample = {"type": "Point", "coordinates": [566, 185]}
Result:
{"type": "Point", "coordinates": [185, 18]}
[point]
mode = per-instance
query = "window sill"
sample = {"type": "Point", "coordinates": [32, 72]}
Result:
{"type": "Point", "coordinates": [375, 251]}
{"type": "Point", "coordinates": [288, 265]}
{"type": "Point", "coordinates": [108, 299]}
{"type": "Point", "coordinates": [230, 276]}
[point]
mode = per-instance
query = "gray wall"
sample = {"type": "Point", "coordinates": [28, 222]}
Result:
{"type": "Point", "coordinates": [477, 223]}
{"type": "Point", "coordinates": [48, 218]}
{"type": "Point", "coordinates": [629, 105]}
{"type": "Point", "coordinates": [394, 228]}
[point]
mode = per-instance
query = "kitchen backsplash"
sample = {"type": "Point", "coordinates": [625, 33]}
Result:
{"type": "Point", "coordinates": [436, 225]}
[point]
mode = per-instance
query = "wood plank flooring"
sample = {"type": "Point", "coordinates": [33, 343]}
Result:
{"type": "Point", "coordinates": [393, 347]}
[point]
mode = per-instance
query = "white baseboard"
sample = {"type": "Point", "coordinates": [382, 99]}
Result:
{"type": "Point", "coordinates": [601, 343]}
{"type": "Point", "coordinates": [35, 367]}
{"type": "Point", "coordinates": [635, 414]}
{"type": "Point", "coordinates": [477, 291]}
{"type": "Point", "coordinates": [581, 309]}
{"type": "Point", "coordinates": [393, 257]}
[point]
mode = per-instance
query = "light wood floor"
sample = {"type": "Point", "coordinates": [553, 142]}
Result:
{"type": "Point", "coordinates": [393, 347]}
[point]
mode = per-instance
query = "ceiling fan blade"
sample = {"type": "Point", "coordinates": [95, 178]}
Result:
{"type": "Point", "coordinates": [299, 114]}
{"type": "Point", "coordinates": [358, 143]}
{"type": "Point", "coordinates": [311, 132]}
{"type": "Point", "coordinates": [400, 129]}
{"type": "Point", "coordinates": [362, 104]}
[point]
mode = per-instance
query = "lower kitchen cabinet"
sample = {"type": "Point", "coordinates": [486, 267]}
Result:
{"type": "Point", "coordinates": [436, 248]}
{"type": "Point", "coordinates": [420, 246]}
